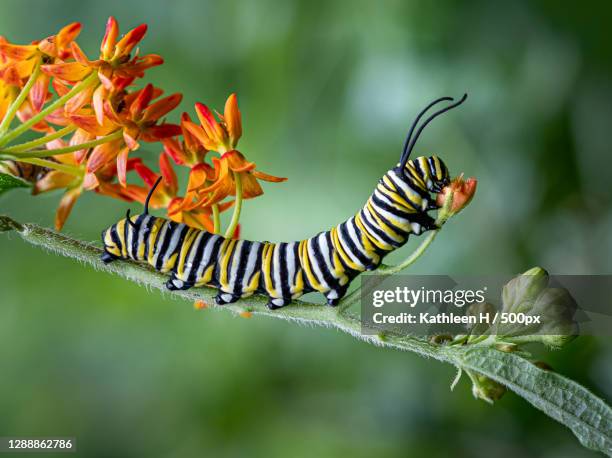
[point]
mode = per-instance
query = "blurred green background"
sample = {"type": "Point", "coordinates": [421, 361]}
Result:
{"type": "Point", "coordinates": [327, 90]}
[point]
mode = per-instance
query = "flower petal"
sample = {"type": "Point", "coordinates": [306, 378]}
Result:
{"type": "Point", "coordinates": [141, 102]}
{"type": "Point", "coordinates": [65, 207]}
{"type": "Point", "coordinates": [250, 186]}
{"type": "Point", "coordinates": [107, 47]}
{"type": "Point", "coordinates": [103, 154]}
{"type": "Point", "coordinates": [233, 119]}
{"type": "Point", "coordinates": [53, 180]}
{"type": "Point", "coordinates": [39, 92]}
{"type": "Point", "coordinates": [265, 177]}
{"type": "Point", "coordinates": [166, 170]}
{"type": "Point", "coordinates": [122, 158]}
{"type": "Point", "coordinates": [132, 38]}
{"type": "Point", "coordinates": [69, 71]}
{"type": "Point", "coordinates": [161, 107]}
{"type": "Point", "coordinates": [157, 133]}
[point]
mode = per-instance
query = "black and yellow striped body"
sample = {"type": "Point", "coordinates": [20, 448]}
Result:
{"type": "Point", "coordinates": [325, 263]}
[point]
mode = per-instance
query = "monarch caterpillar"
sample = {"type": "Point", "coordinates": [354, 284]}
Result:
{"type": "Point", "coordinates": [326, 263]}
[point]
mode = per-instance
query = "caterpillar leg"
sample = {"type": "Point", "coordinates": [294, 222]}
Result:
{"type": "Point", "coordinates": [277, 302]}
{"type": "Point", "coordinates": [107, 257]}
{"type": "Point", "coordinates": [422, 222]}
{"type": "Point", "coordinates": [335, 296]}
{"type": "Point", "coordinates": [174, 284]}
{"type": "Point", "coordinates": [223, 298]}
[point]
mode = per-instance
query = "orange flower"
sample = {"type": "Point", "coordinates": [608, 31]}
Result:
{"type": "Point", "coordinates": [166, 196]}
{"type": "Point", "coordinates": [17, 62]}
{"type": "Point", "coordinates": [222, 135]}
{"type": "Point", "coordinates": [115, 60]}
{"type": "Point", "coordinates": [136, 117]}
{"type": "Point", "coordinates": [190, 152]}
{"type": "Point", "coordinates": [463, 192]}
{"type": "Point", "coordinates": [224, 184]}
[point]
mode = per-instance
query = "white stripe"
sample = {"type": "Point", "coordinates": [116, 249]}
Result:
{"type": "Point", "coordinates": [346, 247]}
{"type": "Point", "coordinates": [249, 270]}
{"type": "Point", "coordinates": [210, 243]}
{"type": "Point", "coordinates": [160, 240]}
{"type": "Point", "coordinates": [141, 235]}
{"type": "Point", "coordinates": [315, 266]}
{"type": "Point", "coordinates": [291, 266]}
{"type": "Point", "coordinates": [176, 234]}
{"type": "Point", "coordinates": [235, 261]}
{"type": "Point", "coordinates": [188, 267]}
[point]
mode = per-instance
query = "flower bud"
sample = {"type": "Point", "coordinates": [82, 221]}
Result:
{"type": "Point", "coordinates": [519, 293]}
{"type": "Point", "coordinates": [486, 389]}
{"type": "Point", "coordinates": [462, 193]}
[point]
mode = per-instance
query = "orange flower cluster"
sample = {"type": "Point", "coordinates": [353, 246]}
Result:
{"type": "Point", "coordinates": [92, 116]}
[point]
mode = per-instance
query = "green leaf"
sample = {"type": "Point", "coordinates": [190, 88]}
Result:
{"type": "Point", "coordinates": [10, 182]}
{"type": "Point", "coordinates": [589, 417]}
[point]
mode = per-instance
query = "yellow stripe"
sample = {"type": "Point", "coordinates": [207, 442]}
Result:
{"type": "Point", "coordinates": [387, 229]}
{"type": "Point", "coordinates": [370, 238]}
{"type": "Point", "coordinates": [227, 248]}
{"type": "Point", "coordinates": [185, 250]}
{"type": "Point", "coordinates": [340, 249]}
{"type": "Point", "coordinates": [267, 254]}
{"type": "Point", "coordinates": [121, 234]}
{"type": "Point", "coordinates": [305, 258]}
{"type": "Point", "coordinates": [155, 230]}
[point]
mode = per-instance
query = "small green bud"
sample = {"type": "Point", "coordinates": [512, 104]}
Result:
{"type": "Point", "coordinates": [520, 292]}
{"type": "Point", "coordinates": [486, 389]}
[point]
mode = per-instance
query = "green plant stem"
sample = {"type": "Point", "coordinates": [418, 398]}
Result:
{"type": "Point", "coordinates": [237, 207]}
{"type": "Point", "coordinates": [67, 149]}
{"type": "Point", "coordinates": [12, 111]}
{"type": "Point", "coordinates": [66, 168]}
{"type": "Point", "coordinates": [588, 417]}
{"type": "Point", "coordinates": [23, 127]}
{"type": "Point", "coordinates": [40, 141]}
{"type": "Point", "coordinates": [216, 219]}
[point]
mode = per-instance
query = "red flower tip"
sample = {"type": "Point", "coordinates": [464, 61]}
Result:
{"type": "Point", "coordinates": [463, 192]}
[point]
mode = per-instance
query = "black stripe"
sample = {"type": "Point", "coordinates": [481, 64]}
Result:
{"type": "Point", "coordinates": [136, 230]}
{"type": "Point", "coordinates": [214, 261]}
{"type": "Point", "coordinates": [377, 231]}
{"type": "Point", "coordinates": [331, 281]}
{"type": "Point", "coordinates": [398, 230]}
{"type": "Point", "coordinates": [242, 262]}
{"type": "Point", "coordinates": [284, 274]}
{"type": "Point", "coordinates": [115, 237]}
{"type": "Point", "coordinates": [391, 209]}
{"type": "Point", "coordinates": [351, 248]}
{"type": "Point", "coordinates": [148, 235]}
{"type": "Point", "coordinates": [197, 259]}
{"type": "Point", "coordinates": [165, 243]}
{"type": "Point", "coordinates": [400, 192]}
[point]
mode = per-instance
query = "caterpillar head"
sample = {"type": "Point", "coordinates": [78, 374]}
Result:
{"type": "Point", "coordinates": [431, 171]}
{"type": "Point", "coordinates": [115, 237]}
{"type": "Point", "coordinates": [112, 245]}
